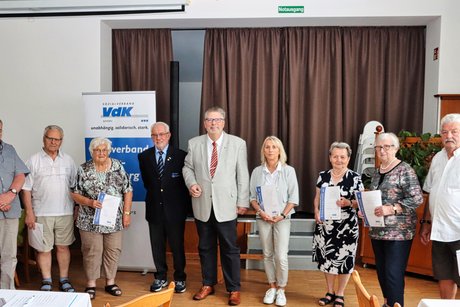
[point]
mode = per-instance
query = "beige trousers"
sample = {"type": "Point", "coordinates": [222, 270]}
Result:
{"type": "Point", "coordinates": [8, 250]}
{"type": "Point", "coordinates": [275, 244]}
{"type": "Point", "coordinates": [101, 252]}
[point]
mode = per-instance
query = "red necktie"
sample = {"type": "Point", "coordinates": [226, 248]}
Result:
{"type": "Point", "coordinates": [213, 159]}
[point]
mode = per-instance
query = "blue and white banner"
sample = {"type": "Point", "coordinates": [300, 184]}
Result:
{"type": "Point", "coordinates": [124, 118]}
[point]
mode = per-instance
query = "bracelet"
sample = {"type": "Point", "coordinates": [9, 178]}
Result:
{"type": "Point", "coordinates": [283, 215]}
{"type": "Point", "coordinates": [127, 212]}
{"type": "Point", "coordinates": [395, 210]}
{"type": "Point", "coordinates": [425, 222]}
{"type": "Point", "coordinates": [258, 211]}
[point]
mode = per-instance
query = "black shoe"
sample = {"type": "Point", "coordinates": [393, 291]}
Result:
{"type": "Point", "coordinates": [158, 284]}
{"type": "Point", "coordinates": [180, 286]}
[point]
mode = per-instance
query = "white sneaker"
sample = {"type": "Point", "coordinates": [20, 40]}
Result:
{"type": "Point", "coordinates": [270, 295]}
{"type": "Point", "coordinates": [280, 298]}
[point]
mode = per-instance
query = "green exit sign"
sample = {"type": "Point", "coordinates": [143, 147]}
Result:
{"type": "Point", "coordinates": [290, 9]}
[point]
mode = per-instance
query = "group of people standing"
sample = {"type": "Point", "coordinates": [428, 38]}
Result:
{"type": "Point", "coordinates": [335, 241]}
{"type": "Point", "coordinates": [213, 176]}
{"type": "Point", "coordinates": [58, 195]}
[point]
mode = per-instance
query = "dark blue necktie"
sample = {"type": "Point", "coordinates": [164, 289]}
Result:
{"type": "Point", "coordinates": [161, 164]}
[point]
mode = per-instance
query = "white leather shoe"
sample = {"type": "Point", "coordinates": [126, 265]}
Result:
{"type": "Point", "coordinates": [270, 295]}
{"type": "Point", "coordinates": [280, 298]}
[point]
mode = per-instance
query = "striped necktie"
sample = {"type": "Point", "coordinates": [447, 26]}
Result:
{"type": "Point", "coordinates": [213, 159]}
{"type": "Point", "coordinates": [160, 164]}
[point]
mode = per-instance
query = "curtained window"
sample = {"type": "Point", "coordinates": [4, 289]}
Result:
{"type": "Point", "coordinates": [311, 86]}
{"type": "Point", "coordinates": [141, 62]}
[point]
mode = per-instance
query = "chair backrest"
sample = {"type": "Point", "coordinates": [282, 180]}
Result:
{"type": "Point", "coordinates": [162, 298]}
{"type": "Point", "coordinates": [364, 298]}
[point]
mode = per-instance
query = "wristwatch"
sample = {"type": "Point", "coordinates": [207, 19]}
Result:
{"type": "Point", "coordinates": [127, 212]}
{"type": "Point", "coordinates": [283, 215]}
{"type": "Point", "coordinates": [14, 191]}
{"type": "Point", "coordinates": [258, 211]}
{"type": "Point", "coordinates": [395, 209]}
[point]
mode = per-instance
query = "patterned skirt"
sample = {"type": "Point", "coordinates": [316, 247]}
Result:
{"type": "Point", "coordinates": [335, 243]}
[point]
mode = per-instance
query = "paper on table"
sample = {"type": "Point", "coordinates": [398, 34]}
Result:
{"type": "Point", "coordinates": [267, 196]}
{"type": "Point", "coordinates": [107, 215]}
{"type": "Point", "coordinates": [36, 239]}
{"type": "Point", "coordinates": [36, 299]}
{"type": "Point", "coordinates": [328, 209]}
{"type": "Point", "coordinates": [367, 202]}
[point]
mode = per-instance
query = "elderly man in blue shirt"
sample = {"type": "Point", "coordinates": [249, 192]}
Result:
{"type": "Point", "coordinates": [13, 172]}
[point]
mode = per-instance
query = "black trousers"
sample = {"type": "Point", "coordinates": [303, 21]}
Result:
{"type": "Point", "coordinates": [210, 233]}
{"type": "Point", "coordinates": [173, 232]}
{"type": "Point", "coordinates": [391, 262]}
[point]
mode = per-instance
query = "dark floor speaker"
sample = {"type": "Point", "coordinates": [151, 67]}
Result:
{"type": "Point", "coordinates": [174, 103]}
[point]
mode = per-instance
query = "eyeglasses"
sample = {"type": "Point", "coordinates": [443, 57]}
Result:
{"type": "Point", "coordinates": [454, 132]}
{"type": "Point", "coordinates": [214, 120]}
{"type": "Point", "coordinates": [104, 151]}
{"type": "Point", "coordinates": [159, 135]}
{"type": "Point", "coordinates": [384, 147]}
{"type": "Point", "coordinates": [52, 139]}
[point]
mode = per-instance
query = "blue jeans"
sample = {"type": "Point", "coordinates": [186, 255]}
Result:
{"type": "Point", "coordinates": [391, 262]}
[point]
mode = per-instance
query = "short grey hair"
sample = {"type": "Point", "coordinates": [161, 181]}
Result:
{"type": "Point", "coordinates": [215, 109]}
{"type": "Point", "coordinates": [96, 142]}
{"type": "Point", "coordinates": [165, 125]}
{"type": "Point", "coordinates": [450, 118]}
{"type": "Point", "coordinates": [279, 144]}
{"type": "Point", "coordinates": [340, 145]}
{"type": "Point", "coordinates": [53, 127]}
{"type": "Point", "coordinates": [388, 135]}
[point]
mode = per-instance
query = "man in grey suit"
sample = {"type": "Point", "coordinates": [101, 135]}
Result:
{"type": "Point", "coordinates": [216, 174]}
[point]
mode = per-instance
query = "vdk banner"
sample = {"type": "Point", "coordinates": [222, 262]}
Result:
{"type": "Point", "coordinates": [125, 118]}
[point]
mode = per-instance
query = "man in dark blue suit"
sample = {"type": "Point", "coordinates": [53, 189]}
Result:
{"type": "Point", "coordinates": [167, 201]}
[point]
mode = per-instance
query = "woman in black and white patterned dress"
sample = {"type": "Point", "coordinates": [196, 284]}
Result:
{"type": "Point", "coordinates": [335, 241]}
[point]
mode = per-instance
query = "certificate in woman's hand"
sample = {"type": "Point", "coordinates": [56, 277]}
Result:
{"type": "Point", "coordinates": [107, 215]}
{"type": "Point", "coordinates": [328, 209]}
{"type": "Point", "coordinates": [367, 202]}
{"type": "Point", "coordinates": [268, 199]}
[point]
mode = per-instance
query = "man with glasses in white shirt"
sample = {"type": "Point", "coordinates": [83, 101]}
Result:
{"type": "Point", "coordinates": [47, 200]}
{"type": "Point", "coordinates": [12, 175]}
{"type": "Point", "coordinates": [441, 222]}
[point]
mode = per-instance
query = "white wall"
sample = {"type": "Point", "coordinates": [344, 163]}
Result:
{"type": "Point", "coordinates": [47, 62]}
{"type": "Point", "coordinates": [430, 108]}
{"type": "Point", "coordinates": [45, 66]}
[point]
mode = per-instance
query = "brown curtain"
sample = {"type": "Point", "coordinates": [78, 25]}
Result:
{"type": "Point", "coordinates": [384, 70]}
{"type": "Point", "coordinates": [141, 62]}
{"type": "Point", "coordinates": [242, 75]}
{"type": "Point", "coordinates": [314, 102]}
{"type": "Point", "coordinates": [312, 86]}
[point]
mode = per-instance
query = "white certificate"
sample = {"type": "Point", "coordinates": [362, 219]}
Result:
{"type": "Point", "coordinates": [107, 215]}
{"type": "Point", "coordinates": [268, 199]}
{"type": "Point", "coordinates": [367, 202]}
{"type": "Point", "coordinates": [36, 239]}
{"type": "Point", "coordinates": [328, 208]}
